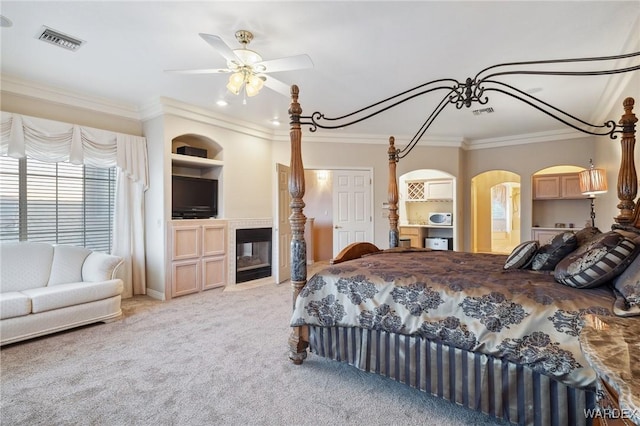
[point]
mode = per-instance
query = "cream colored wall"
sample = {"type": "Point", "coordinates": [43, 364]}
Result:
{"type": "Point", "coordinates": [525, 160]}
{"type": "Point", "coordinates": [246, 183]}
{"type": "Point", "coordinates": [156, 216]}
{"type": "Point", "coordinates": [321, 155]}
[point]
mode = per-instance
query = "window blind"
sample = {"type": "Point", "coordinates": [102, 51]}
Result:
{"type": "Point", "coordinates": [58, 203]}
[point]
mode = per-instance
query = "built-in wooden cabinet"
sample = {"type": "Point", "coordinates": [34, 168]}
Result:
{"type": "Point", "coordinates": [428, 190]}
{"type": "Point", "coordinates": [416, 234]}
{"type": "Point", "coordinates": [557, 186]}
{"type": "Point", "coordinates": [557, 205]}
{"type": "Point", "coordinates": [197, 255]}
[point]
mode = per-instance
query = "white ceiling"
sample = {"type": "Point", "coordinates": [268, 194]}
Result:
{"type": "Point", "coordinates": [362, 52]}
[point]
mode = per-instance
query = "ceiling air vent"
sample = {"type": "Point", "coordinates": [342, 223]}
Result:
{"type": "Point", "coordinates": [482, 111]}
{"type": "Point", "coordinates": [59, 39]}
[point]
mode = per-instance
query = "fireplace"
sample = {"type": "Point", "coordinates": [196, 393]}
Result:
{"type": "Point", "coordinates": [253, 254]}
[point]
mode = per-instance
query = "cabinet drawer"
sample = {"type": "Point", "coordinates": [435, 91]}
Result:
{"type": "Point", "coordinates": [409, 231]}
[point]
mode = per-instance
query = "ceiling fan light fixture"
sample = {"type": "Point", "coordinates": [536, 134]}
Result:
{"type": "Point", "coordinates": [236, 80]}
{"type": "Point", "coordinates": [253, 85]}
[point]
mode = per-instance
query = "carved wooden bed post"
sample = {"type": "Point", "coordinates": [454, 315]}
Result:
{"type": "Point", "coordinates": [627, 178]}
{"type": "Point", "coordinates": [392, 190]}
{"type": "Point", "coordinates": [298, 339]}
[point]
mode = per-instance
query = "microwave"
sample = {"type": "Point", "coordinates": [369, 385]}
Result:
{"type": "Point", "coordinates": [440, 219]}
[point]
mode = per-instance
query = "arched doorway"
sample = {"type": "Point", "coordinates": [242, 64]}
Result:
{"type": "Point", "coordinates": [496, 209]}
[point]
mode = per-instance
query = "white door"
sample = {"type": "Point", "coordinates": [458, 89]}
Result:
{"type": "Point", "coordinates": [284, 228]}
{"type": "Point", "coordinates": [352, 221]}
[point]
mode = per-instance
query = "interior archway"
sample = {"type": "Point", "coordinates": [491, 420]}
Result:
{"type": "Point", "coordinates": [496, 207]}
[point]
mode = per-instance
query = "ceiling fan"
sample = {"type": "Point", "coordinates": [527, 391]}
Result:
{"type": "Point", "coordinates": [247, 68]}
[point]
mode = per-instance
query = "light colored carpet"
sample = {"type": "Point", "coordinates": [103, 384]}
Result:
{"type": "Point", "coordinates": [213, 358]}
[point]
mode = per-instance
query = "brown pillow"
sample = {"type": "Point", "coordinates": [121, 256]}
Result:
{"type": "Point", "coordinates": [550, 254]}
{"type": "Point", "coordinates": [596, 262]}
{"type": "Point", "coordinates": [586, 234]}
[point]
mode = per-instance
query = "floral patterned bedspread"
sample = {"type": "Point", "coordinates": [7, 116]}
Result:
{"type": "Point", "coordinates": [463, 299]}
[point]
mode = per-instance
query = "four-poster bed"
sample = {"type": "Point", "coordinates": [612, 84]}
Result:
{"type": "Point", "coordinates": [462, 326]}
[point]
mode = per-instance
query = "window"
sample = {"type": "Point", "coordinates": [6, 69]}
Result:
{"type": "Point", "coordinates": [58, 203]}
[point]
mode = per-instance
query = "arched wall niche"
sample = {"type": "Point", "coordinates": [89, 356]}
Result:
{"type": "Point", "coordinates": [214, 149]}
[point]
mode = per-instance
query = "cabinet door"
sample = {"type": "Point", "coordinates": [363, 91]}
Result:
{"type": "Point", "coordinates": [439, 190]}
{"type": "Point", "coordinates": [213, 240]}
{"type": "Point", "coordinates": [213, 272]}
{"type": "Point", "coordinates": [546, 187]}
{"type": "Point", "coordinates": [185, 242]}
{"type": "Point", "coordinates": [571, 186]}
{"type": "Point", "coordinates": [185, 277]}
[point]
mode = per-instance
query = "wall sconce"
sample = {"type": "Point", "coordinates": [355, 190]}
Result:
{"type": "Point", "coordinates": [593, 181]}
{"type": "Point", "coordinates": [322, 176]}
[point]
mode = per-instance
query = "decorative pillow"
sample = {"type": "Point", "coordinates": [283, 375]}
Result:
{"type": "Point", "coordinates": [522, 255]}
{"type": "Point", "coordinates": [550, 254]}
{"type": "Point", "coordinates": [67, 264]}
{"type": "Point", "coordinates": [586, 234]}
{"type": "Point", "coordinates": [628, 283]}
{"type": "Point", "coordinates": [596, 262]}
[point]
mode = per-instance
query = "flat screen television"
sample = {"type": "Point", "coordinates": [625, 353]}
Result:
{"type": "Point", "coordinates": [193, 198]}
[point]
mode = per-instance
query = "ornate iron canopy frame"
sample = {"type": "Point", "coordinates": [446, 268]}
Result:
{"type": "Point", "coordinates": [475, 90]}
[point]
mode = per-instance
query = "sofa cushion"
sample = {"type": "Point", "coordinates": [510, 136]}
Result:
{"type": "Point", "coordinates": [24, 265]}
{"type": "Point", "coordinates": [67, 264]}
{"type": "Point", "coordinates": [14, 304]}
{"type": "Point", "coordinates": [100, 266]}
{"type": "Point", "coordinates": [63, 295]}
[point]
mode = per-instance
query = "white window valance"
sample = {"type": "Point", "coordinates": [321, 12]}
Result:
{"type": "Point", "coordinates": [53, 141]}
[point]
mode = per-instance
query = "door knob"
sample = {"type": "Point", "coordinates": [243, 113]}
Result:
{"type": "Point", "coordinates": [337, 227]}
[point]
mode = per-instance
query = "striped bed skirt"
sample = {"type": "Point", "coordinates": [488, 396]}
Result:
{"type": "Point", "coordinates": [477, 381]}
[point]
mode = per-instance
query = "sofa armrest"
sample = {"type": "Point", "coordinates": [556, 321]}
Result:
{"type": "Point", "coordinates": [100, 266]}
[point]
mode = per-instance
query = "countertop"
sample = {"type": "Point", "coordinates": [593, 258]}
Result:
{"type": "Point", "coordinates": [612, 347]}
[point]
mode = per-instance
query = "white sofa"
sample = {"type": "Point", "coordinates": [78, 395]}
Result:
{"type": "Point", "coordinates": [47, 288]}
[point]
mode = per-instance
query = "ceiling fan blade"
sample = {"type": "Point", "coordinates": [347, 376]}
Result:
{"type": "Point", "coordinates": [220, 46]}
{"type": "Point", "coordinates": [277, 85]}
{"type": "Point", "coordinates": [289, 63]}
{"type": "Point", "coordinates": [201, 71]}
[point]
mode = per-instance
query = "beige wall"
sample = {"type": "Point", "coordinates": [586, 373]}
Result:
{"type": "Point", "coordinates": [323, 155]}
{"type": "Point", "coordinates": [525, 160]}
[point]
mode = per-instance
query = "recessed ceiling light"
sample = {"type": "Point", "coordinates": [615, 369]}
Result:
{"type": "Point", "coordinates": [275, 122]}
{"type": "Point", "coordinates": [5, 22]}
{"type": "Point", "coordinates": [221, 102]}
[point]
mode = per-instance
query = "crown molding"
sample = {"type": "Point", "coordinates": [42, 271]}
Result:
{"type": "Point", "coordinates": [330, 136]}
{"type": "Point", "coordinates": [166, 106]}
{"type": "Point", "coordinates": [57, 95]}
{"type": "Point", "coordinates": [529, 138]}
